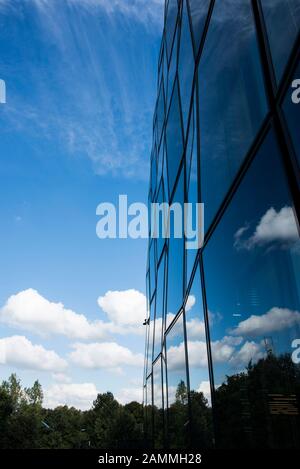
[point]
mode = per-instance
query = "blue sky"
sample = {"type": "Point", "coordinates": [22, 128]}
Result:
{"type": "Point", "coordinates": [75, 132]}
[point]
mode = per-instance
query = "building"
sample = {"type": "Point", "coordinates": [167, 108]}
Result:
{"type": "Point", "coordinates": [223, 332]}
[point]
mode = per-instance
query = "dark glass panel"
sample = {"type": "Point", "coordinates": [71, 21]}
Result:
{"type": "Point", "coordinates": [200, 395]}
{"type": "Point", "coordinates": [171, 18]}
{"type": "Point", "coordinates": [159, 314]}
{"type": "Point", "coordinates": [192, 218]}
{"type": "Point", "coordinates": [160, 112]}
{"type": "Point", "coordinates": [172, 69]}
{"type": "Point", "coordinates": [291, 108]}
{"type": "Point", "coordinates": [177, 387]}
{"type": "Point", "coordinates": [231, 98]}
{"type": "Point", "coordinates": [186, 65]}
{"type": "Point", "coordinates": [175, 259]}
{"type": "Point", "coordinates": [158, 406]}
{"type": "Point", "coordinates": [149, 411]}
{"type": "Point", "coordinates": [252, 279]}
{"type": "Point", "coordinates": [199, 11]}
{"type": "Point", "coordinates": [151, 335]}
{"type": "Point", "coordinates": [174, 143]}
{"type": "Point", "coordinates": [152, 265]}
{"type": "Point", "coordinates": [161, 220]}
{"type": "Point", "coordinates": [282, 18]}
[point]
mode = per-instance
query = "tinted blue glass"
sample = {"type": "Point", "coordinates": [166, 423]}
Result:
{"type": "Point", "coordinates": [158, 405]}
{"type": "Point", "coordinates": [162, 218]}
{"type": "Point", "coordinates": [252, 278]}
{"type": "Point", "coordinates": [199, 10]}
{"type": "Point", "coordinates": [172, 69]}
{"type": "Point", "coordinates": [291, 108]}
{"type": "Point", "coordinates": [174, 142]}
{"type": "Point", "coordinates": [160, 112]}
{"type": "Point", "coordinates": [186, 65]}
{"type": "Point", "coordinates": [152, 265]}
{"type": "Point", "coordinates": [231, 98]}
{"type": "Point", "coordinates": [159, 314]}
{"type": "Point", "coordinates": [175, 262]}
{"type": "Point", "coordinates": [153, 174]}
{"type": "Point", "coordinates": [192, 198]}
{"type": "Point", "coordinates": [282, 19]}
{"type": "Point", "coordinates": [151, 335]}
{"type": "Point", "coordinates": [198, 367]}
{"type": "Point", "coordinates": [177, 386]}
{"type": "Point", "coordinates": [171, 17]}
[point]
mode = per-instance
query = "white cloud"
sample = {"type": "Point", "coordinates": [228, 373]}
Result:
{"type": "Point", "coordinates": [249, 351]}
{"type": "Point", "coordinates": [61, 378]}
{"type": "Point", "coordinates": [191, 301]}
{"type": "Point", "coordinates": [127, 395]}
{"type": "Point", "coordinates": [30, 311]}
{"type": "Point", "coordinates": [108, 355]}
{"type": "Point", "coordinates": [124, 308]}
{"type": "Point", "coordinates": [205, 389]}
{"type": "Point", "coordinates": [273, 227]}
{"type": "Point", "coordinates": [276, 319]}
{"type": "Point", "coordinates": [20, 352]}
{"type": "Point", "coordinates": [80, 395]}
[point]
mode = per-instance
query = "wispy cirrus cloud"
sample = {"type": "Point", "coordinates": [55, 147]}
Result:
{"type": "Point", "coordinates": [92, 79]}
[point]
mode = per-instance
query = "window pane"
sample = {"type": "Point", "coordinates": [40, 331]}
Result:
{"type": "Point", "coordinates": [151, 336]}
{"type": "Point", "coordinates": [282, 19]}
{"type": "Point", "coordinates": [161, 215]}
{"type": "Point", "coordinates": [192, 194]}
{"type": "Point", "coordinates": [202, 435]}
{"type": "Point", "coordinates": [292, 114]}
{"type": "Point", "coordinates": [158, 406]}
{"type": "Point", "coordinates": [149, 409]}
{"type": "Point", "coordinates": [159, 307]}
{"type": "Point", "coordinates": [199, 11]}
{"type": "Point", "coordinates": [252, 277]}
{"type": "Point", "coordinates": [177, 387]}
{"type": "Point", "coordinates": [172, 69]}
{"type": "Point", "coordinates": [175, 262]}
{"type": "Point", "coordinates": [171, 18]}
{"type": "Point", "coordinates": [160, 112]}
{"type": "Point", "coordinates": [186, 66]}
{"type": "Point", "coordinates": [231, 98]}
{"type": "Point", "coordinates": [174, 138]}
{"type": "Point", "coordinates": [152, 264]}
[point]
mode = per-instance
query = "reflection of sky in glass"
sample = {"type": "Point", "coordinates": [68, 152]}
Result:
{"type": "Point", "coordinates": [231, 98]}
{"type": "Point", "coordinates": [282, 19]}
{"type": "Point", "coordinates": [186, 66]}
{"type": "Point", "coordinates": [176, 260]}
{"type": "Point", "coordinates": [292, 115]}
{"type": "Point", "coordinates": [157, 384]}
{"type": "Point", "coordinates": [159, 307]}
{"type": "Point", "coordinates": [176, 360]}
{"type": "Point", "coordinates": [252, 265]}
{"type": "Point", "coordinates": [197, 352]}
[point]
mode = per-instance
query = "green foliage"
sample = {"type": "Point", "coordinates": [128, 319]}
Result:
{"type": "Point", "coordinates": [24, 423]}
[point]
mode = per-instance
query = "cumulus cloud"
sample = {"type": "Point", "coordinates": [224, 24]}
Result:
{"type": "Point", "coordinates": [275, 320]}
{"type": "Point", "coordinates": [108, 355]}
{"type": "Point", "coordinates": [18, 351]}
{"type": "Point", "coordinates": [249, 351]}
{"type": "Point", "coordinates": [124, 308]}
{"type": "Point", "coordinates": [205, 389]}
{"type": "Point", "coordinates": [274, 227]}
{"type": "Point", "coordinates": [80, 395]}
{"type": "Point", "coordinates": [61, 378]}
{"type": "Point", "coordinates": [130, 394]}
{"type": "Point", "coordinates": [30, 311]}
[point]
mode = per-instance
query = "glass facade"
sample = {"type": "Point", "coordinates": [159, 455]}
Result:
{"type": "Point", "coordinates": [222, 362]}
